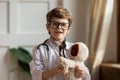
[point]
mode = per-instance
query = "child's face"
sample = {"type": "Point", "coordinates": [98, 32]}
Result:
{"type": "Point", "coordinates": [58, 28]}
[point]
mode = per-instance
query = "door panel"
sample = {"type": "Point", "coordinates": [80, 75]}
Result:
{"type": "Point", "coordinates": [22, 23]}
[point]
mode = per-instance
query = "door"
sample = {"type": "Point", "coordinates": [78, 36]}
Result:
{"type": "Point", "coordinates": [22, 23]}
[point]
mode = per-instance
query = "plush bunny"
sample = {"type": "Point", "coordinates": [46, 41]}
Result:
{"type": "Point", "coordinates": [78, 54]}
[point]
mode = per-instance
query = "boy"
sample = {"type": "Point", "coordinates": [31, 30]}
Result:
{"type": "Point", "coordinates": [44, 64]}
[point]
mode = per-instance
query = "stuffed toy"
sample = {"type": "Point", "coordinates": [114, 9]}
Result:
{"type": "Point", "coordinates": [78, 54]}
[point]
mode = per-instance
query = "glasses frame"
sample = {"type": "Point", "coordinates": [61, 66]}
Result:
{"type": "Point", "coordinates": [56, 25]}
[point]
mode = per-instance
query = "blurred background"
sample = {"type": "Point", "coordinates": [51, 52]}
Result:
{"type": "Point", "coordinates": [95, 22]}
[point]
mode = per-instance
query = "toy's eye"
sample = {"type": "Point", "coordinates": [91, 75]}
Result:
{"type": "Point", "coordinates": [74, 50]}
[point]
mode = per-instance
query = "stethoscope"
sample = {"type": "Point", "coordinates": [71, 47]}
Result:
{"type": "Point", "coordinates": [61, 48]}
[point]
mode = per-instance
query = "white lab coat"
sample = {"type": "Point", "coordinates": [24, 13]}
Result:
{"type": "Point", "coordinates": [46, 60]}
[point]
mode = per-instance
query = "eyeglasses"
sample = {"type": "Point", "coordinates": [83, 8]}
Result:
{"type": "Point", "coordinates": [55, 25]}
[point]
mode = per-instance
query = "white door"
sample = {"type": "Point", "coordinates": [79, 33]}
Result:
{"type": "Point", "coordinates": [22, 23]}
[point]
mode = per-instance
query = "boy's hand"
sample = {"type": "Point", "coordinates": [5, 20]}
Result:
{"type": "Point", "coordinates": [79, 72]}
{"type": "Point", "coordinates": [62, 69]}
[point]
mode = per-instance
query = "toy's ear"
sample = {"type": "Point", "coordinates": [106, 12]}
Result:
{"type": "Point", "coordinates": [74, 50]}
{"type": "Point", "coordinates": [79, 51]}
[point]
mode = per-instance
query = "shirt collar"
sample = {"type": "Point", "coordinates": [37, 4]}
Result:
{"type": "Point", "coordinates": [54, 45]}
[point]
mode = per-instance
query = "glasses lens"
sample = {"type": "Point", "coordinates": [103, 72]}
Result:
{"type": "Point", "coordinates": [55, 25]}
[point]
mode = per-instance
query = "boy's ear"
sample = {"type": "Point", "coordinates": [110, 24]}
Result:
{"type": "Point", "coordinates": [69, 30]}
{"type": "Point", "coordinates": [47, 26]}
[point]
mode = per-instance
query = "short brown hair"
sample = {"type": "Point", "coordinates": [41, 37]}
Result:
{"type": "Point", "coordinates": [59, 12]}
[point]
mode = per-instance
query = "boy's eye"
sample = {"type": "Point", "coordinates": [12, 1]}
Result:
{"type": "Point", "coordinates": [56, 23]}
{"type": "Point", "coordinates": [63, 24]}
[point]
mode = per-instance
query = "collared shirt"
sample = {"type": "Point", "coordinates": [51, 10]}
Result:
{"type": "Point", "coordinates": [44, 59]}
